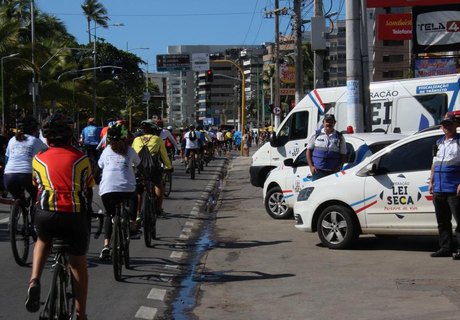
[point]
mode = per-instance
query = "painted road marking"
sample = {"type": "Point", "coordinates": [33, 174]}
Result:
{"type": "Point", "coordinates": [157, 294]}
{"type": "Point", "coordinates": [146, 313]}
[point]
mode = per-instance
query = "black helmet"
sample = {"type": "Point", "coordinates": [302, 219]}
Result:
{"type": "Point", "coordinates": [117, 131]}
{"type": "Point", "coordinates": [58, 127]}
{"type": "Point", "coordinates": [149, 124]}
{"type": "Point", "coordinates": [27, 124]}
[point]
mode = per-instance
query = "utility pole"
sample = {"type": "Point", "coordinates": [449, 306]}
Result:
{"type": "Point", "coordinates": [354, 66]}
{"type": "Point", "coordinates": [276, 96]}
{"type": "Point", "coordinates": [299, 91]}
{"type": "Point", "coordinates": [365, 65]}
{"type": "Point", "coordinates": [318, 28]}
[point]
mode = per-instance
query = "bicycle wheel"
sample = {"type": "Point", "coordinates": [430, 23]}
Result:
{"type": "Point", "coordinates": [61, 299]}
{"type": "Point", "coordinates": [19, 232]}
{"type": "Point", "coordinates": [192, 167]}
{"type": "Point", "coordinates": [147, 214]}
{"type": "Point", "coordinates": [126, 240]}
{"type": "Point", "coordinates": [117, 259]}
{"type": "Point", "coordinates": [167, 179]}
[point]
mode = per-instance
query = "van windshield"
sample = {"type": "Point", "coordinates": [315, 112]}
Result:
{"type": "Point", "coordinates": [435, 104]}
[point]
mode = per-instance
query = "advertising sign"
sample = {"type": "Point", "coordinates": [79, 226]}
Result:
{"type": "Point", "coordinates": [407, 3]}
{"type": "Point", "coordinates": [200, 62]}
{"type": "Point", "coordinates": [436, 29]}
{"type": "Point", "coordinates": [287, 74]}
{"type": "Point", "coordinates": [395, 26]}
{"type": "Point", "coordinates": [173, 62]}
{"type": "Point", "coordinates": [435, 67]}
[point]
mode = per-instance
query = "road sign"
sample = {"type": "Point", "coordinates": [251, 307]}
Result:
{"type": "Point", "coordinates": [200, 62]}
{"type": "Point", "coordinates": [173, 62]}
{"type": "Point", "coordinates": [276, 110]}
{"type": "Point", "coordinates": [287, 91]}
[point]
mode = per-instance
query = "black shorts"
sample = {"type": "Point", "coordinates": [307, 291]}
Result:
{"type": "Point", "coordinates": [68, 225]}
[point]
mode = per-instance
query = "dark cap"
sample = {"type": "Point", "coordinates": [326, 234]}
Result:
{"type": "Point", "coordinates": [449, 118]}
{"type": "Point", "coordinates": [329, 117]}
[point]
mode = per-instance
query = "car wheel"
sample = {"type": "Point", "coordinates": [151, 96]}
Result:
{"type": "Point", "coordinates": [337, 227]}
{"type": "Point", "coordinates": [275, 204]}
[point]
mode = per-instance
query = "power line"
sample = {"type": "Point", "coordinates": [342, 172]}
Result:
{"type": "Point", "coordinates": [250, 23]}
{"type": "Point", "coordinates": [168, 14]}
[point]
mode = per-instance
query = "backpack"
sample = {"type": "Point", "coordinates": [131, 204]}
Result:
{"type": "Point", "coordinates": [149, 165]}
{"type": "Point", "coordinates": [192, 135]}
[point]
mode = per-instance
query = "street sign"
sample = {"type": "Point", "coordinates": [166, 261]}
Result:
{"type": "Point", "coordinates": [173, 62]}
{"type": "Point", "coordinates": [200, 62]}
{"type": "Point", "coordinates": [276, 110]}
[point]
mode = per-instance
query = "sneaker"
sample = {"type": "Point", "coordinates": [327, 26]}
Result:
{"type": "Point", "coordinates": [105, 254]}
{"type": "Point", "coordinates": [456, 255]}
{"type": "Point", "coordinates": [187, 171]}
{"type": "Point", "coordinates": [441, 253]}
{"type": "Point", "coordinates": [33, 296]}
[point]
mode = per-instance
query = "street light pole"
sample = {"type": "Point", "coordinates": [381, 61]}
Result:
{"type": "Point", "coordinates": [73, 101]}
{"type": "Point", "coordinates": [3, 93]}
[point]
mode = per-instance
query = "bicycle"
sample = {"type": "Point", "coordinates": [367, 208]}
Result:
{"type": "Point", "coordinates": [21, 231]}
{"type": "Point", "coordinates": [60, 302]}
{"type": "Point", "coordinates": [149, 213]}
{"type": "Point", "coordinates": [193, 163]}
{"type": "Point", "coordinates": [120, 240]}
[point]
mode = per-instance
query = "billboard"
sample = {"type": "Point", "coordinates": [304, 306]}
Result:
{"type": "Point", "coordinates": [435, 67]}
{"type": "Point", "coordinates": [407, 3]}
{"type": "Point", "coordinates": [173, 62]}
{"type": "Point", "coordinates": [394, 26]}
{"type": "Point", "coordinates": [436, 29]}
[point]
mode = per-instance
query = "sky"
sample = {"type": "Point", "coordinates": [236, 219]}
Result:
{"type": "Point", "coordinates": [155, 24]}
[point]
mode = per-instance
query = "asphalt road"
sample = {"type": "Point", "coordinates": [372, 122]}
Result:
{"type": "Point", "coordinates": [147, 289]}
{"type": "Point", "coordinates": [259, 268]}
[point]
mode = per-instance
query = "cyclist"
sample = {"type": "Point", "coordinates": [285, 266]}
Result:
{"type": "Point", "coordinates": [63, 175]}
{"type": "Point", "coordinates": [118, 182]}
{"type": "Point", "coordinates": [19, 153]}
{"type": "Point", "coordinates": [157, 148]}
{"type": "Point", "coordinates": [167, 136]}
{"type": "Point", "coordinates": [89, 138]}
{"type": "Point", "coordinates": [192, 142]}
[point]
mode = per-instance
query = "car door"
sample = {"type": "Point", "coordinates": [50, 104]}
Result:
{"type": "Point", "coordinates": [397, 197]}
{"type": "Point", "coordinates": [301, 174]}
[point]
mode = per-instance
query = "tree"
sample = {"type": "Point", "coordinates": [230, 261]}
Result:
{"type": "Point", "coordinates": [95, 11]}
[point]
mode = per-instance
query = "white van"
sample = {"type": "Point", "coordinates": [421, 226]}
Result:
{"type": "Point", "coordinates": [404, 106]}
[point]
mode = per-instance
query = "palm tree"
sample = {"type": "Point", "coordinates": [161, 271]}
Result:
{"type": "Point", "coordinates": [93, 10]}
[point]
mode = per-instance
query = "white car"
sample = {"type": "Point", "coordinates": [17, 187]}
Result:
{"type": "Point", "coordinates": [284, 182]}
{"type": "Point", "coordinates": [386, 194]}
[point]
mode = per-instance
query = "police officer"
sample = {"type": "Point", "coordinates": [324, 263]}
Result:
{"type": "Point", "coordinates": [445, 187]}
{"type": "Point", "coordinates": [326, 150]}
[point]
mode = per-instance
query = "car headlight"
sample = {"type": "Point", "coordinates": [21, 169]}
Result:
{"type": "Point", "coordinates": [305, 193]}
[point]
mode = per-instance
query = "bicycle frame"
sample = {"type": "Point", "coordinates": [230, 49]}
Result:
{"type": "Point", "coordinates": [60, 303]}
{"type": "Point", "coordinates": [149, 213]}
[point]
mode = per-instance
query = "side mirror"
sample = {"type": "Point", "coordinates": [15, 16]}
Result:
{"type": "Point", "coordinates": [371, 168]}
{"type": "Point", "coordinates": [274, 141]}
{"type": "Point", "coordinates": [289, 162]}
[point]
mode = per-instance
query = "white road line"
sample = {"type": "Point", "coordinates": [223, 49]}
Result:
{"type": "Point", "coordinates": [171, 266]}
{"type": "Point", "coordinates": [190, 223]}
{"type": "Point", "coordinates": [146, 313]}
{"type": "Point", "coordinates": [184, 236]}
{"type": "Point", "coordinates": [157, 294]}
{"type": "Point", "coordinates": [176, 255]}
{"type": "Point", "coordinates": [187, 230]}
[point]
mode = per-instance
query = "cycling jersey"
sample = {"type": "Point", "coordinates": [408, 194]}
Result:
{"type": "Point", "coordinates": [63, 175]}
{"type": "Point", "coordinates": [91, 135]}
{"type": "Point", "coordinates": [156, 147]}
{"type": "Point", "coordinates": [192, 144]}
{"type": "Point", "coordinates": [19, 154]}
{"type": "Point", "coordinates": [118, 173]}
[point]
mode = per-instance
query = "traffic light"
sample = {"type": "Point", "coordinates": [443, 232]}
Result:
{"type": "Point", "coordinates": [209, 76]}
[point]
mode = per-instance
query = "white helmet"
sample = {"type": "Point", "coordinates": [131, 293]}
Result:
{"type": "Point", "coordinates": [169, 128]}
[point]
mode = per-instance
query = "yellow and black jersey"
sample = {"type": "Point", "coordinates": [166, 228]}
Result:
{"type": "Point", "coordinates": [62, 175]}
